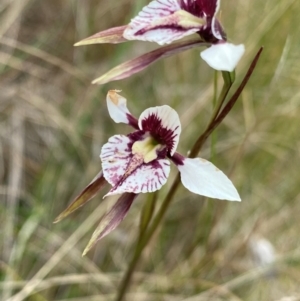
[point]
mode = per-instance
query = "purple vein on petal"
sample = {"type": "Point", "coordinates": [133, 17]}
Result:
{"type": "Point", "coordinates": [113, 36]}
{"type": "Point", "coordinates": [140, 63]}
{"type": "Point", "coordinates": [87, 193]}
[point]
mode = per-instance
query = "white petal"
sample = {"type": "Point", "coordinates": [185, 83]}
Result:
{"type": "Point", "coordinates": [164, 124]}
{"type": "Point", "coordinates": [117, 108]}
{"type": "Point", "coordinates": [162, 21]}
{"type": "Point", "coordinates": [202, 177]}
{"type": "Point", "coordinates": [223, 56]}
{"type": "Point", "coordinates": [115, 156]}
{"type": "Point", "coordinates": [146, 178]}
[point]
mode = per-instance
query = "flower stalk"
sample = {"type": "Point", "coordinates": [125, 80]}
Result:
{"type": "Point", "coordinates": [227, 84]}
{"type": "Point", "coordinates": [214, 104]}
{"type": "Point", "coordinates": [217, 118]}
{"type": "Point", "coordinates": [147, 212]}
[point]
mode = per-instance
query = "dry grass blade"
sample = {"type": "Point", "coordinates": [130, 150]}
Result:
{"type": "Point", "coordinates": [61, 280]}
{"type": "Point", "coordinates": [47, 57]}
{"type": "Point", "coordinates": [33, 283]}
{"type": "Point", "coordinates": [26, 67]}
{"type": "Point", "coordinates": [14, 184]}
{"type": "Point", "coordinates": [14, 12]}
{"type": "Point", "coordinates": [246, 278]}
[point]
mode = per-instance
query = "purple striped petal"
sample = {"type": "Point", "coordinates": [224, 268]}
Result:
{"type": "Point", "coordinates": [162, 21]}
{"type": "Point", "coordinates": [87, 194]}
{"type": "Point", "coordinates": [140, 63]}
{"type": "Point", "coordinates": [164, 125]}
{"type": "Point", "coordinates": [116, 155]}
{"type": "Point", "coordinates": [111, 219]}
{"type": "Point", "coordinates": [146, 178]}
{"type": "Point", "coordinates": [113, 35]}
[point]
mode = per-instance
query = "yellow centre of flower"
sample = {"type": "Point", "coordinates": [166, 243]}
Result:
{"type": "Point", "coordinates": [180, 17]}
{"type": "Point", "coordinates": [187, 20]}
{"type": "Point", "coordinates": [146, 148]}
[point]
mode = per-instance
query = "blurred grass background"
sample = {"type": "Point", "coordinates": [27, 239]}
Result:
{"type": "Point", "coordinates": [53, 123]}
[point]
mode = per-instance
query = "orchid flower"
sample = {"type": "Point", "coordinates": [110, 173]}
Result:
{"type": "Point", "coordinates": [140, 162]}
{"type": "Point", "coordinates": [165, 21]}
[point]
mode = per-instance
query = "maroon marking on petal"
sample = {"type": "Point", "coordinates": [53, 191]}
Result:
{"type": "Point", "coordinates": [161, 134]}
{"type": "Point", "coordinates": [175, 27]}
{"type": "Point", "coordinates": [161, 154]}
{"type": "Point", "coordinates": [135, 136]}
{"type": "Point", "coordinates": [117, 140]}
{"type": "Point", "coordinates": [177, 159]}
{"type": "Point", "coordinates": [143, 185]}
{"type": "Point", "coordinates": [200, 8]}
{"type": "Point", "coordinates": [156, 165]}
{"type": "Point", "coordinates": [207, 35]}
{"type": "Point", "coordinates": [135, 162]}
{"type": "Point", "coordinates": [205, 9]}
{"type": "Point", "coordinates": [145, 178]}
{"type": "Point", "coordinates": [114, 169]}
{"type": "Point", "coordinates": [158, 177]}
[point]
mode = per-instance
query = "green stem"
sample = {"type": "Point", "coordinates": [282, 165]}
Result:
{"type": "Point", "coordinates": [146, 216]}
{"type": "Point", "coordinates": [228, 81]}
{"type": "Point", "coordinates": [147, 212]}
{"type": "Point", "coordinates": [144, 240]}
{"type": "Point", "coordinates": [127, 277]}
{"type": "Point", "coordinates": [214, 103]}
